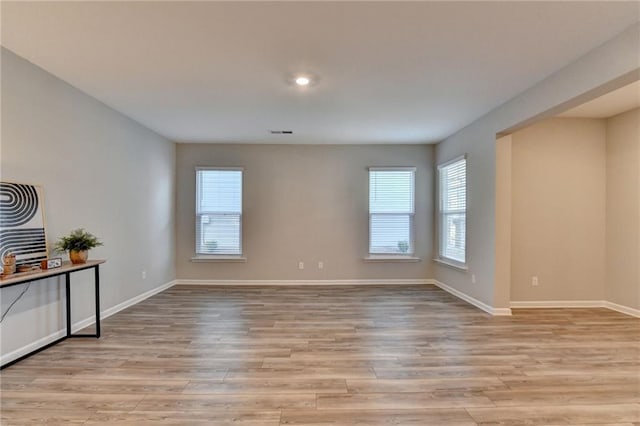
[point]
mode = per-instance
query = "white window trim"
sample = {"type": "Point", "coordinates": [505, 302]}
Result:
{"type": "Point", "coordinates": [452, 263]}
{"type": "Point", "coordinates": [230, 258]}
{"type": "Point", "coordinates": [393, 257]}
{"type": "Point", "coordinates": [219, 258]}
{"type": "Point", "coordinates": [392, 169]}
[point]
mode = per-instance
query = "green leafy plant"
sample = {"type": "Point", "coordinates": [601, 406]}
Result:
{"type": "Point", "coordinates": [77, 240]}
{"type": "Point", "coordinates": [403, 246]}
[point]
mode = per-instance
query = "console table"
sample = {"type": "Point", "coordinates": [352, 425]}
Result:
{"type": "Point", "coordinates": [66, 269]}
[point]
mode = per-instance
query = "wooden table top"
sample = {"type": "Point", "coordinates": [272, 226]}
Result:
{"type": "Point", "coordinates": [67, 266]}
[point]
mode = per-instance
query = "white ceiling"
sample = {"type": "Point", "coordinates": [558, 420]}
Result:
{"type": "Point", "coordinates": [613, 103]}
{"type": "Point", "coordinates": [389, 72]}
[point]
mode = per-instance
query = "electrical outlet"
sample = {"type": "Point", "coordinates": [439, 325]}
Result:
{"type": "Point", "coordinates": [300, 265]}
{"type": "Point", "coordinates": [144, 274]}
{"type": "Point", "coordinates": [320, 265]}
{"type": "Point", "coordinates": [473, 278]}
{"type": "Point", "coordinates": [534, 281]}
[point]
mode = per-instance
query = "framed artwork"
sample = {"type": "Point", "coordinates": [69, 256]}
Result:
{"type": "Point", "coordinates": [22, 223]}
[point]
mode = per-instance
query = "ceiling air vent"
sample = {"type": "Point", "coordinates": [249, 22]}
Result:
{"type": "Point", "coordinates": [281, 132]}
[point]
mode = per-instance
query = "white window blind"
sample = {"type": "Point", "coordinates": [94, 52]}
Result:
{"type": "Point", "coordinates": [218, 211]}
{"type": "Point", "coordinates": [391, 210]}
{"type": "Point", "coordinates": [452, 185]}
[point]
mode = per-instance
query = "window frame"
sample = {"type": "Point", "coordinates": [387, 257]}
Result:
{"type": "Point", "coordinates": [440, 213]}
{"type": "Point", "coordinates": [198, 214]}
{"type": "Point", "coordinates": [412, 228]}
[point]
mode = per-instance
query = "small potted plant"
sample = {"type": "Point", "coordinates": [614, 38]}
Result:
{"type": "Point", "coordinates": [77, 243]}
{"type": "Point", "coordinates": [403, 246]}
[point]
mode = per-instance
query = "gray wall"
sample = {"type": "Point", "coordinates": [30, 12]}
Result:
{"type": "Point", "coordinates": [623, 209]}
{"type": "Point", "coordinates": [303, 203]}
{"type": "Point", "coordinates": [99, 170]}
{"type": "Point", "coordinates": [558, 210]}
{"type": "Point", "coordinates": [611, 65]}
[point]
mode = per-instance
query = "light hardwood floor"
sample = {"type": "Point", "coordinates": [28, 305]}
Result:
{"type": "Point", "coordinates": [396, 355]}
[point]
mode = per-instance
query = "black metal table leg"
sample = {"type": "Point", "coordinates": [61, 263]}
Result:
{"type": "Point", "coordinates": [66, 270]}
{"type": "Point", "coordinates": [67, 279]}
{"type": "Point", "coordinates": [96, 275]}
{"type": "Point", "coordinates": [97, 290]}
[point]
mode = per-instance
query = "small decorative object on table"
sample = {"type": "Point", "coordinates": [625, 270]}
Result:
{"type": "Point", "coordinates": [77, 243]}
{"type": "Point", "coordinates": [8, 263]}
{"type": "Point", "coordinates": [25, 267]}
{"type": "Point", "coordinates": [55, 262]}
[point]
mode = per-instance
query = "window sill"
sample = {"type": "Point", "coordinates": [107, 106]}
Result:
{"type": "Point", "coordinates": [391, 258]}
{"type": "Point", "coordinates": [220, 259]}
{"type": "Point", "coordinates": [451, 264]}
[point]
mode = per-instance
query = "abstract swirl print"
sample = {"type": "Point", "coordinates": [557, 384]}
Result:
{"type": "Point", "coordinates": [22, 223]}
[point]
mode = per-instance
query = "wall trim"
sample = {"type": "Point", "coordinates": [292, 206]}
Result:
{"type": "Point", "coordinates": [622, 309]}
{"type": "Point", "coordinates": [133, 301]}
{"type": "Point", "coordinates": [79, 325]}
{"type": "Point", "coordinates": [429, 281]}
{"type": "Point", "coordinates": [417, 281]}
{"type": "Point", "coordinates": [541, 304]}
{"type": "Point", "coordinates": [13, 355]}
{"type": "Point", "coordinates": [472, 300]}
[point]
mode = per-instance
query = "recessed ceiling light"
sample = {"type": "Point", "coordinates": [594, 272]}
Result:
{"type": "Point", "coordinates": [302, 80]}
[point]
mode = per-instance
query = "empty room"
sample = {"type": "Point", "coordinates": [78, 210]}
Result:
{"type": "Point", "coordinates": [319, 213]}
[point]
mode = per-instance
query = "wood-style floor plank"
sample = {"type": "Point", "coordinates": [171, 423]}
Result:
{"type": "Point", "coordinates": [258, 386]}
{"type": "Point", "coordinates": [386, 355]}
{"type": "Point", "coordinates": [447, 417]}
{"type": "Point", "coordinates": [403, 400]}
{"type": "Point", "coordinates": [235, 417]}
{"type": "Point", "coordinates": [558, 415]}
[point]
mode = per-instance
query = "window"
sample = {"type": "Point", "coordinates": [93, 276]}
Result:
{"type": "Point", "coordinates": [218, 211]}
{"type": "Point", "coordinates": [391, 210]}
{"type": "Point", "coordinates": [452, 210]}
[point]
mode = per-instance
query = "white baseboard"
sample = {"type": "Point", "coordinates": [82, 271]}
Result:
{"type": "Point", "coordinates": [622, 309]}
{"type": "Point", "coordinates": [79, 325]}
{"type": "Point", "coordinates": [541, 304]}
{"type": "Point", "coordinates": [368, 282]}
{"type": "Point", "coordinates": [457, 293]}
{"type": "Point", "coordinates": [535, 304]}
{"type": "Point", "coordinates": [134, 300]}
{"type": "Point", "coordinates": [8, 357]}
{"type": "Point", "coordinates": [303, 282]}
{"type": "Point", "coordinates": [472, 300]}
